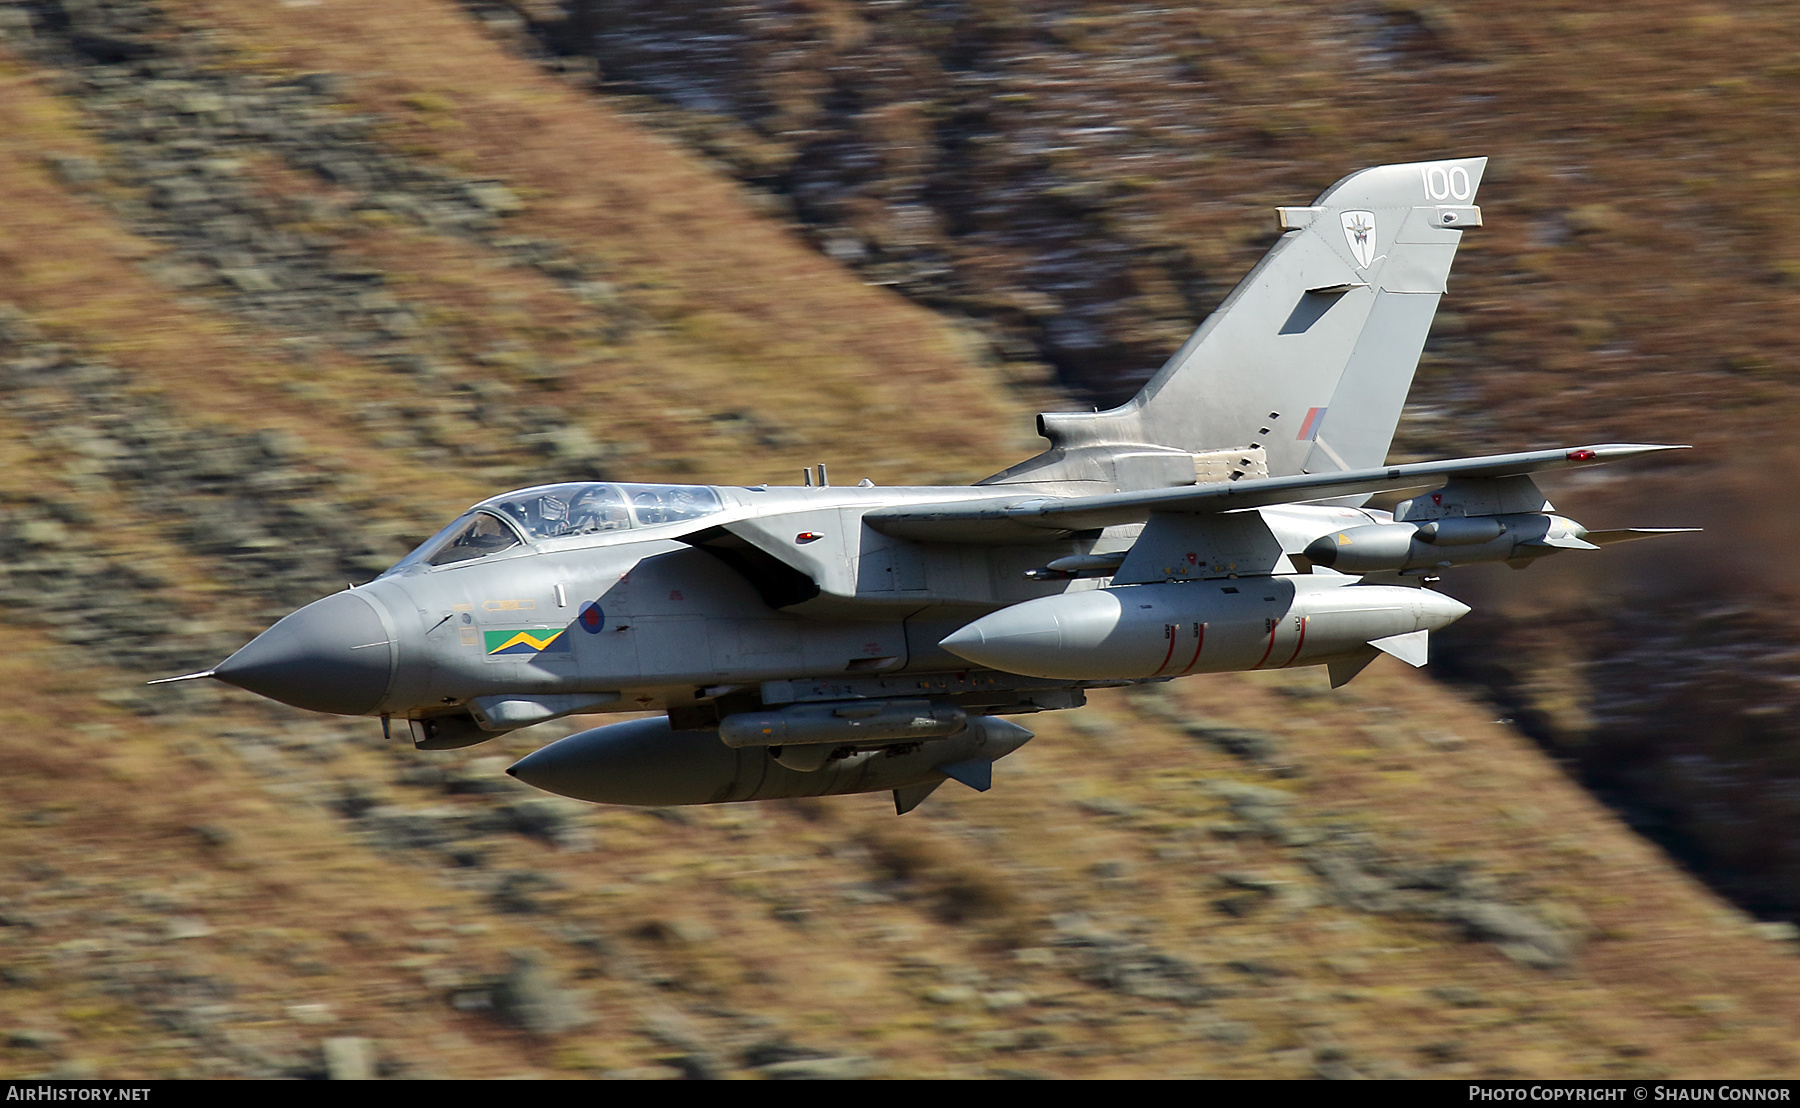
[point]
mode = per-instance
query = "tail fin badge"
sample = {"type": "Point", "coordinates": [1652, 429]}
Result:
{"type": "Point", "coordinates": [1359, 230]}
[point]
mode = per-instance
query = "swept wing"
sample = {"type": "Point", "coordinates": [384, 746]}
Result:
{"type": "Point", "coordinates": [1026, 517]}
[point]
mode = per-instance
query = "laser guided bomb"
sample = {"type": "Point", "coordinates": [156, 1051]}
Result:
{"type": "Point", "coordinates": [818, 640]}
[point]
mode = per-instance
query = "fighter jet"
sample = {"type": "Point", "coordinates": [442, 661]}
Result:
{"type": "Point", "coordinates": [814, 639]}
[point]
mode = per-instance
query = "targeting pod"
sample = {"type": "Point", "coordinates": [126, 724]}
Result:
{"type": "Point", "coordinates": [1441, 543]}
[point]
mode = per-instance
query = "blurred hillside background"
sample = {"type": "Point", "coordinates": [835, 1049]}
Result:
{"type": "Point", "coordinates": [287, 285]}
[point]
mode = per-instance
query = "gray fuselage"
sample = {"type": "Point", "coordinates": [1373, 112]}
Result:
{"type": "Point", "coordinates": [756, 596]}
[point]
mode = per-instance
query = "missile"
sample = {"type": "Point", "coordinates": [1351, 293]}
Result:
{"type": "Point", "coordinates": [645, 761]}
{"type": "Point", "coordinates": [1213, 626]}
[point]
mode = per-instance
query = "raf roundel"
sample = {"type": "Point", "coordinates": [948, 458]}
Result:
{"type": "Point", "coordinates": [591, 619]}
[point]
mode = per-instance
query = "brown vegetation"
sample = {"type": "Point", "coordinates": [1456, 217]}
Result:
{"type": "Point", "coordinates": [197, 884]}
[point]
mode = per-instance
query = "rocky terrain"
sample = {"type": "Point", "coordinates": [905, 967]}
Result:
{"type": "Point", "coordinates": [289, 285]}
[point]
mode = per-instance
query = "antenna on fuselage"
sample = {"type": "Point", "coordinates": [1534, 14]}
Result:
{"type": "Point", "coordinates": [822, 481]}
{"type": "Point", "coordinates": [806, 475]}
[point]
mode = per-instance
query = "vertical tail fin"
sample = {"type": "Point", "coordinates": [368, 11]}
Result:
{"type": "Point", "coordinates": [1307, 363]}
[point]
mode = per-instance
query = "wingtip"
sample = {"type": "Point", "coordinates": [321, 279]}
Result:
{"type": "Point", "coordinates": [1630, 449]}
{"type": "Point", "coordinates": [1598, 453]}
{"type": "Point", "coordinates": [1609, 537]}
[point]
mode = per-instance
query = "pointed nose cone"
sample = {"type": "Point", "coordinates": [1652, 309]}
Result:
{"type": "Point", "coordinates": [1065, 636]}
{"type": "Point", "coordinates": [1019, 639]}
{"type": "Point", "coordinates": [1437, 611]}
{"type": "Point", "coordinates": [1000, 737]}
{"type": "Point", "coordinates": [331, 656]}
{"type": "Point", "coordinates": [966, 642]}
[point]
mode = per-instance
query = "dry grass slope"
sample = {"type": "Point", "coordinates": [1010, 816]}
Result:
{"type": "Point", "coordinates": [1380, 881]}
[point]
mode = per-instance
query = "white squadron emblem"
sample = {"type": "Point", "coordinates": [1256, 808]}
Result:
{"type": "Point", "coordinates": [1359, 229]}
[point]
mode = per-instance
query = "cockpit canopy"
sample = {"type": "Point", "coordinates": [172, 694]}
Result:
{"type": "Point", "coordinates": [561, 511]}
{"type": "Point", "coordinates": [476, 536]}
